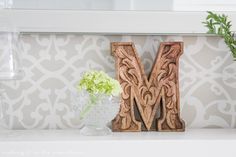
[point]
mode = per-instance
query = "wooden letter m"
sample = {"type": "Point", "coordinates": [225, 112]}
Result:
{"type": "Point", "coordinates": [159, 91]}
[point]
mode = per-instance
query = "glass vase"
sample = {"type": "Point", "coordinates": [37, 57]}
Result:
{"type": "Point", "coordinates": [10, 62]}
{"type": "Point", "coordinates": [96, 111]}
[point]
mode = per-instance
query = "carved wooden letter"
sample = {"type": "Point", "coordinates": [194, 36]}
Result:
{"type": "Point", "coordinates": [160, 89]}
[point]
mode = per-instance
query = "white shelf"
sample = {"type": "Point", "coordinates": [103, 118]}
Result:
{"type": "Point", "coordinates": [109, 22]}
{"type": "Point", "coordinates": [69, 143]}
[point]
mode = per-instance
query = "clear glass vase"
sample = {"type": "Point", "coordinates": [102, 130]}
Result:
{"type": "Point", "coordinates": [96, 112]}
{"type": "Point", "coordinates": [10, 62]}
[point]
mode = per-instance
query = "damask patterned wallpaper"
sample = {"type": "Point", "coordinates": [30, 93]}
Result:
{"type": "Point", "coordinates": [53, 64]}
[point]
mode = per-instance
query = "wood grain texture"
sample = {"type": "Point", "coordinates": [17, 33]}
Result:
{"type": "Point", "coordinates": [158, 92]}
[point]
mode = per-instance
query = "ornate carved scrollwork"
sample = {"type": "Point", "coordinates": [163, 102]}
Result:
{"type": "Point", "coordinates": [160, 91]}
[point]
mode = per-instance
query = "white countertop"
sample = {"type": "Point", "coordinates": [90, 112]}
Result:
{"type": "Point", "coordinates": [69, 143]}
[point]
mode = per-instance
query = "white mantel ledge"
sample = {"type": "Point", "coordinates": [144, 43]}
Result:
{"type": "Point", "coordinates": [69, 143]}
{"type": "Point", "coordinates": [110, 22]}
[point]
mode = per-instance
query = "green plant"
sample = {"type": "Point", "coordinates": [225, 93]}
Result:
{"type": "Point", "coordinates": [220, 25]}
{"type": "Point", "coordinates": [97, 83]}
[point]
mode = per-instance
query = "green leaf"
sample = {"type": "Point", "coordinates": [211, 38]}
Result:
{"type": "Point", "coordinates": [220, 25]}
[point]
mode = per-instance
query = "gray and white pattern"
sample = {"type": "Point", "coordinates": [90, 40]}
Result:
{"type": "Point", "coordinates": [53, 64]}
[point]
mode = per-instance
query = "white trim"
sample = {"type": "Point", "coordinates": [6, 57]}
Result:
{"type": "Point", "coordinates": [111, 22]}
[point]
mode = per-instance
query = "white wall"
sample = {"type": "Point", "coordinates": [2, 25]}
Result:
{"type": "Point", "coordinates": [90, 4]}
{"type": "Point", "coordinates": [204, 5]}
{"type": "Point", "coordinates": [178, 5]}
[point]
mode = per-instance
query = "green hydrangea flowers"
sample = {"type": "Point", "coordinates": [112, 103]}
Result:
{"type": "Point", "coordinates": [98, 82]}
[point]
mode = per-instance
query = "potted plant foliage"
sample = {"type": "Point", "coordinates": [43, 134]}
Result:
{"type": "Point", "coordinates": [98, 102]}
{"type": "Point", "coordinates": [221, 25]}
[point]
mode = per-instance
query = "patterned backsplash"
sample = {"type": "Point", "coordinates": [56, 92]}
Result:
{"type": "Point", "coordinates": [53, 64]}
